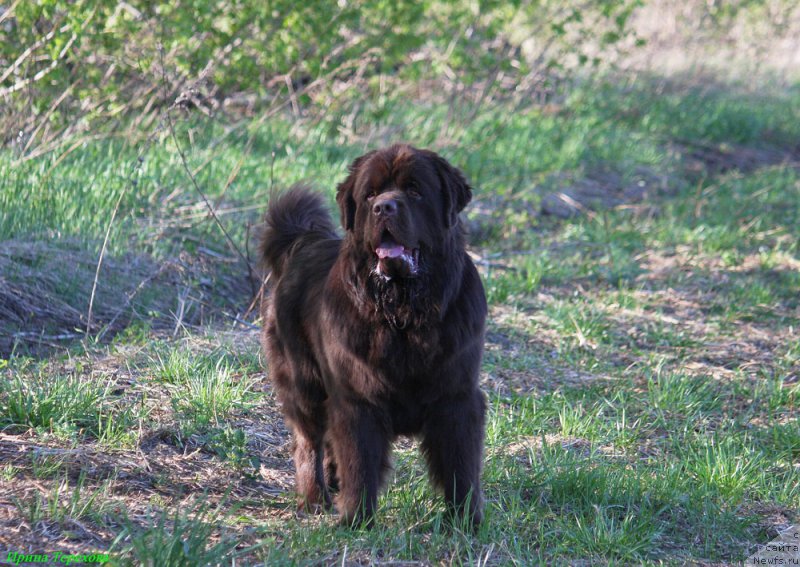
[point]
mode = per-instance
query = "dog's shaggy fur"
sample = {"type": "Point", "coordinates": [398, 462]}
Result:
{"type": "Point", "coordinates": [379, 333]}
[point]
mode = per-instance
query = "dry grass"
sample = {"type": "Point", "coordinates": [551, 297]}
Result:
{"type": "Point", "coordinates": [46, 287]}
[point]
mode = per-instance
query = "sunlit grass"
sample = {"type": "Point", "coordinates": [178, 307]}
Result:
{"type": "Point", "coordinates": [641, 365]}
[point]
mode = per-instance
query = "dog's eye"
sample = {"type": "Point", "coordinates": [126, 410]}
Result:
{"type": "Point", "coordinates": [414, 195]}
{"type": "Point", "coordinates": [371, 195]}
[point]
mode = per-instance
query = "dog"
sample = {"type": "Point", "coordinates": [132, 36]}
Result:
{"type": "Point", "coordinates": [378, 333]}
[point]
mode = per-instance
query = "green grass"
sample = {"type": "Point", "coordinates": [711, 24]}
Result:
{"type": "Point", "coordinates": [210, 395]}
{"type": "Point", "coordinates": [66, 503]}
{"type": "Point", "coordinates": [67, 192]}
{"type": "Point", "coordinates": [641, 367]}
{"type": "Point", "coordinates": [67, 405]}
{"type": "Point", "coordinates": [180, 539]}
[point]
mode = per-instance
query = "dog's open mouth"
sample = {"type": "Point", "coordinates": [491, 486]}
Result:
{"type": "Point", "coordinates": [394, 259]}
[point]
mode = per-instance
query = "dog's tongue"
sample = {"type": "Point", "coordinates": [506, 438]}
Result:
{"type": "Point", "coordinates": [389, 250]}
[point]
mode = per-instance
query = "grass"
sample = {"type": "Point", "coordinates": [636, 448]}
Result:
{"type": "Point", "coordinates": [66, 405]}
{"type": "Point", "coordinates": [177, 540]}
{"type": "Point", "coordinates": [66, 503]}
{"type": "Point", "coordinates": [642, 360]}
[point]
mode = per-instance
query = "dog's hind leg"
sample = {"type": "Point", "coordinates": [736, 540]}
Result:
{"type": "Point", "coordinates": [305, 416]}
{"type": "Point", "coordinates": [312, 492]}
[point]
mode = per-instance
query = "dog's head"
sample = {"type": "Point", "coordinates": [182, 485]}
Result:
{"type": "Point", "coordinates": [401, 205]}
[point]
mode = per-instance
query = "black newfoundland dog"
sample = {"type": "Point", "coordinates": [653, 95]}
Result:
{"type": "Point", "coordinates": [379, 333]}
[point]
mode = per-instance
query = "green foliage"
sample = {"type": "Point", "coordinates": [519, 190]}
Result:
{"type": "Point", "coordinates": [114, 57]}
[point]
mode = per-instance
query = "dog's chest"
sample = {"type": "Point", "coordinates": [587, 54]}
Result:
{"type": "Point", "coordinates": [404, 358]}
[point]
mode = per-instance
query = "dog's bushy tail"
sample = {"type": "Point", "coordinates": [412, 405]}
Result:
{"type": "Point", "coordinates": [292, 215]}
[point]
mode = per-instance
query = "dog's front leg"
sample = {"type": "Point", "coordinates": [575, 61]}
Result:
{"type": "Point", "coordinates": [361, 441]}
{"type": "Point", "coordinates": [452, 442]}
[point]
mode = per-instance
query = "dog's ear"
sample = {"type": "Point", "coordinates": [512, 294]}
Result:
{"type": "Point", "coordinates": [456, 191]}
{"type": "Point", "coordinates": [344, 192]}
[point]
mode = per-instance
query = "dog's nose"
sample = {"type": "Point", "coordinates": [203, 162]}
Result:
{"type": "Point", "coordinates": [387, 208]}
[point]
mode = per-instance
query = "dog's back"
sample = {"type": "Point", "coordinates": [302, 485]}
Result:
{"type": "Point", "coordinates": [298, 245]}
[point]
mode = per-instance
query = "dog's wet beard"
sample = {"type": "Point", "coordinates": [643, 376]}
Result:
{"type": "Point", "coordinates": [402, 302]}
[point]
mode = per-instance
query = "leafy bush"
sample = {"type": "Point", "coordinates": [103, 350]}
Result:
{"type": "Point", "coordinates": [106, 59]}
